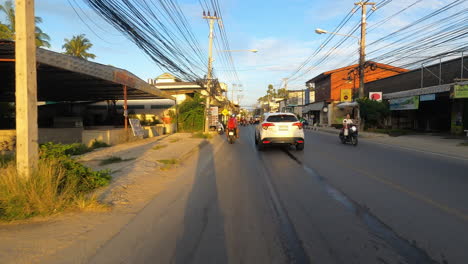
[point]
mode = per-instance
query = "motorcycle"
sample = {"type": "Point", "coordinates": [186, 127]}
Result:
{"type": "Point", "coordinates": [349, 134]}
{"type": "Point", "coordinates": [220, 130]}
{"type": "Point", "coordinates": [231, 136]}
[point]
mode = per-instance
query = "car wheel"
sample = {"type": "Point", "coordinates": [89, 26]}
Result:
{"type": "Point", "coordinates": [256, 139]}
{"type": "Point", "coordinates": [300, 147]}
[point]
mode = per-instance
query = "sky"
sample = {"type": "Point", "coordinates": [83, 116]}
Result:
{"type": "Point", "coordinates": [282, 31]}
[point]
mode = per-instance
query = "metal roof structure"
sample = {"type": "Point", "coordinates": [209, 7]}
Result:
{"type": "Point", "coordinates": [62, 77]}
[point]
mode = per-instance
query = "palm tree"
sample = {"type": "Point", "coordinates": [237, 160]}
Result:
{"type": "Point", "coordinates": [7, 31]}
{"type": "Point", "coordinates": [78, 46]}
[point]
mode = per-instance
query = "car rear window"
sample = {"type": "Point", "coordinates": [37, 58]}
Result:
{"type": "Point", "coordinates": [281, 118]}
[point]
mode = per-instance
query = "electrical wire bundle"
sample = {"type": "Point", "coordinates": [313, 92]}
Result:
{"type": "Point", "coordinates": [221, 42]}
{"type": "Point", "coordinates": [160, 29]}
{"type": "Point", "coordinates": [428, 37]}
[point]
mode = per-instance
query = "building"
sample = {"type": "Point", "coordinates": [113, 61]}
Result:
{"type": "Point", "coordinates": [431, 98]}
{"type": "Point", "coordinates": [330, 85]}
{"type": "Point", "coordinates": [296, 101]}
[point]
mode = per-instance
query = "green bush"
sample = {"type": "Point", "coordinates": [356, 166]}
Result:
{"type": "Point", "coordinates": [373, 112]}
{"type": "Point", "coordinates": [99, 144]}
{"type": "Point", "coordinates": [191, 115]}
{"type": "Point", "coordinates": [87, 179]}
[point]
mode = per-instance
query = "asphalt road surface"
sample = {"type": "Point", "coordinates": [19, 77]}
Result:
{"type": "Point", "coordinates": [330, 203]}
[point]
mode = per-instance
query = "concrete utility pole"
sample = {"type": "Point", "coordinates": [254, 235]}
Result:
{"type": "Point", "coordinates": [285, 83]}
{"type": "Point", "coordinates": [26, 89]}
{"type": "Point", "coordinates": [362, 43]}
{"type": "Point", "coordinates": [211, 19]}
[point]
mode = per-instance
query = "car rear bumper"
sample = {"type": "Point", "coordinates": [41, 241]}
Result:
{"type": "Point", "coordinates": [283, 140]}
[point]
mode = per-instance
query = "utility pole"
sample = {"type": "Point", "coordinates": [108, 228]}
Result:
{"type": "Point", "coordinates": [27, 155]}
{"type": "Point", "coordinates": [362, 43]}
{"type": "Point", "coordinates": [285, 83]}
{"type": "Point", "coordinates": [211, 20]}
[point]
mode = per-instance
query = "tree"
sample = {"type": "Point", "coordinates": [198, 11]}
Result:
{"type": "Point", "coordinates": [78, 46]}
{"type": "Point", "coordinates": [373, 113]}
{"type": "Point", "coordinates": [282, 93]}
{"type": "Point", "coordinates": [8, 31]}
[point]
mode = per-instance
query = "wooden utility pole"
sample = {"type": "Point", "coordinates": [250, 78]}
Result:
{"type": "Point", "coordinates": [362, 49]}
{"type": "Point", "coordinates": [211, 19]}
{"type": "Point", "coordinates": [26, 89]}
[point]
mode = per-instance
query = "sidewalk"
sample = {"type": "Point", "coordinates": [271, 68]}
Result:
{"type": "Point", "coordinates": [420, 142]}
{"type": "Point", "coordinates": [134, 183]}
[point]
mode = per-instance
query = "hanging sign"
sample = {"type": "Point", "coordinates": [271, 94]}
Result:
{"type": "Point", "coordinates": [346, 95]}
{"type": "Point", "coordinates": [376, 96]}
{"type": "Point", "coordinates": [427, 97]}
{"type": "Point", "coordinates": [460, 91]}
{"type": "Point", "coordinates": [405, 103]}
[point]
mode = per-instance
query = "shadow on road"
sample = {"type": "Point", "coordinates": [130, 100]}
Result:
{"type": "Point", "coordinates": [203, 238]}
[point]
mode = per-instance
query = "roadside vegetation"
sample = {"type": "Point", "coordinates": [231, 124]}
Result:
{"type": "Point", "coordinates": [168, 163]}
{"type": "Point", "coordinates": [59, 183]}
{"type": "Point", "coordinates": [191, 117]}
{"type": "Point", "coordinates": [373, 113]}
{"type": "Point", "coordinates": [157, 147]}
{"type": "Point", "coordinates": [174, 140]}
{"type": "Point", "coordinates": [202, 135]}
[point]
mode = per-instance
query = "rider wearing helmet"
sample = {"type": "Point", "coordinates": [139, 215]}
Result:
{"type": "Point", "coordinates": [232, 125]}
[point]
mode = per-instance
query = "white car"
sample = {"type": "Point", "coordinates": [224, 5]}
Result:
{"type": "Point", "coordinates": [279, 129]}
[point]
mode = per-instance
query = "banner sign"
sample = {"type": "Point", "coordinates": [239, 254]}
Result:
{"type": "Point", "coordinates": [427, 97]}
{"type": "Point", "coordinates": [346, 95]}
{"type": "Point", "coordinates": [213, 116]}
{"type": "Point", "coordinates": [376, 96]}
{"type": "Point", "coordinates": [405, 103]}
{"type": "Point", "coordinates": [136, 127]}
{"type": "Point", "coordinates": [460, 91]}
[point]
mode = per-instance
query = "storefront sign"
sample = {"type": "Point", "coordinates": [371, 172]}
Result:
{"type": "Point", "coordinates": [460, 91]}
{"type": "Point", "coordinates": [427, 97]}
{"type": "Point", "coordinates": [376, 96]}
{"type": "Point", "coordinates": [405, 103]}
{"type": "Point", "coordinates": [346, 95]}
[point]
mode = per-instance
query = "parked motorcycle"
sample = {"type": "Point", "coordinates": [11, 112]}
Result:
{"type": "Point", "coordinates": [220, 130]}
{"type": "Point", "coordinates": [232, 136]}
{"type": "Point", "coordinates": [349, 134]}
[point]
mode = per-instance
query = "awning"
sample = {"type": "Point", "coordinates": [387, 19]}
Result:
{"type": "Point", "coordinates": [313, 107]}
{"type": "Point", "coordinates": [420, 91]}
{"type": "Point", "coordinates": [347, 104]}
{"type": "Point", "coordinates": [62, 77]}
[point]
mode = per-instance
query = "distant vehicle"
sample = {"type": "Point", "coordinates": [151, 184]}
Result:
{"type": "Point", "coordinates": [279, 129]}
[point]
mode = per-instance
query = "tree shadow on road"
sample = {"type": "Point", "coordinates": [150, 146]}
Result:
{"type": "Point", "coordinates": [203, 237]}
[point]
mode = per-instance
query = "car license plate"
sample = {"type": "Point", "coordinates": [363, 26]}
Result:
{"type": "Point", "coordinates": [231, 133]}
{"type": "Point", "coordinates": [283, 128]}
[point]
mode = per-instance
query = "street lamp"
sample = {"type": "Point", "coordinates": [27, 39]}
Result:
{"type": "Point", "coordinates": [323, 31]}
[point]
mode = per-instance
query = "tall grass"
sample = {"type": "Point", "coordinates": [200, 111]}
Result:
{"type": "Point", "coordinates": [47, 191]}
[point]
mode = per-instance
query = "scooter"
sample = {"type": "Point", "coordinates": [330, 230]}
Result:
{"type": "Point", "coordinates": [220, 130]}
{"type": "Point", "coordinates": [232, 136]}
{"type": "Point", "coordinates": [349, 134]}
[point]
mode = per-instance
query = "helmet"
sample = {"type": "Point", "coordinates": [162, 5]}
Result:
{"type": "Point", "coordinates": [233, 115]}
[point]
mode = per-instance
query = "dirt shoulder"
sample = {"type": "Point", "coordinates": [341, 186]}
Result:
{"type": "Point", "coordinates": [149, 166]}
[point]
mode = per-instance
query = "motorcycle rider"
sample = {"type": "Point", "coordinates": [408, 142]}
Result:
{"type": "Point", "coordinates": [346, 122]}
{"type": "Point", "coordinates": [232, 125]}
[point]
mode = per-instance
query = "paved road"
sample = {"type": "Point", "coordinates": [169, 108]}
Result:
{"type": "Point", "coordinates": [328, 204]}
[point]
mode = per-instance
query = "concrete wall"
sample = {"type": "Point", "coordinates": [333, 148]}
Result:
{"type": "Point", "coordinates": [56, 135]}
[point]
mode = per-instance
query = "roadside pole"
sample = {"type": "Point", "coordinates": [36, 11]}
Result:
{"type": "Point", "coordinates": [210, 67]}
{"type": "Point", "coordinates": [27, 155]}
{"type": "Point", "coordinates": [362, 44]}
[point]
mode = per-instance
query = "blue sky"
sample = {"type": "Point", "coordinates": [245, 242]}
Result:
{"type": "Point", "coordinates": [282, 31]}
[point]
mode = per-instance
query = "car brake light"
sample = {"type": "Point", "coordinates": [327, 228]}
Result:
{"type": "Point", "coordinates": [267, 125]}
{"type": "Point", "coordinates": [266, 142]}
{"type": "Point", "coordinates": [299, 125]}
{"type": "Point", "coordinates": [300, 141]}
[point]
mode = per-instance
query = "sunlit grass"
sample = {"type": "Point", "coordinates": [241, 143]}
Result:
{"type": "Point", "coordinates": [157, 147]}
{"type": "Point", "coordinates": [202, 135]}
{"type": "Point", "coordinates": [174, 140]}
